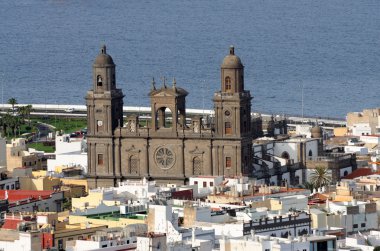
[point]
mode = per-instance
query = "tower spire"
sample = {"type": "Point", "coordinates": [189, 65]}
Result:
{"type": "Point", "coordinates": [232, 50]}
{"type": "Point", "coordinates": [103, 50]}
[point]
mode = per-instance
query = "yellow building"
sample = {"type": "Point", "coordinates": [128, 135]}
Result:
{"type": "Point", "coordinates": [40, 184]}
{"type": "Point", "coordinates": [340, 131]}
{"type": "Point", "coordinates": [18, 156]}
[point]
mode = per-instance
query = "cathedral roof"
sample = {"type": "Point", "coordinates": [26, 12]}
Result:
{"type": "Point", "coordinates": [168, 91]}
{"type": "Point", "coordinates": [103, 58]}
{"type": "Point", "coordinates": [231, 60]}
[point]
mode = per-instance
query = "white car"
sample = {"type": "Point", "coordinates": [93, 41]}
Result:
{"type": "Point", "coordinates": [70, 109]}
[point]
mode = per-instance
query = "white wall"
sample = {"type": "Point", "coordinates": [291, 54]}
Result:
{"type": "Point", "coordinates": [289, 147]}
{"type": "Point", "coordinates": [361, 129]}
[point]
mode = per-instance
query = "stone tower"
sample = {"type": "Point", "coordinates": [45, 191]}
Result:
{"type": "Point", "coordinates": [104, 115]}
{"type": "Point", "coordinates": [232, 105]}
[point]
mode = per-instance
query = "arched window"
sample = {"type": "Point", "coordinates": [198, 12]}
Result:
{"type": "Point", "coordinates": [164, 118]}
{"type": "Point", "coordinates": [133, 165]}
{"type": "Point", "coordinates": [197, 166]}
{"type": "Point", "coordinates": [227, 84]}
{"type": "Point", "coordinates": [227, 128]}
{"type": "Point", "coordinates": [310, 153]}
{"type": "Point", "coordinates": [345, 173]}
{"type": "Point", "coordinates": [99, 80]}
{"type": "Point", "coordinates": [285, 155]}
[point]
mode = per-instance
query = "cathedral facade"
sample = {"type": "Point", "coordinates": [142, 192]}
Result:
{"type": "Point", "coordinates": [169, 147]}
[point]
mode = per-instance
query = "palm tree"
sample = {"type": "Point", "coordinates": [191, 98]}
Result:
{"type": "Point", "coordinates": [320, 177]}
{"type": "Point", "coordinates": [13, 102]}
{"type": "Point", "coordinates": [28, 110]}
{"type": "Point", "coordinates": [22, 111]}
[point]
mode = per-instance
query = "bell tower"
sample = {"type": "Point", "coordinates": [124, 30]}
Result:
{"type": "Point", "coordinates": [232, 125]}
{"type": "Point", "coordinates": [233, 103]}
{"type": "Point", "coordinates": [104, 114]}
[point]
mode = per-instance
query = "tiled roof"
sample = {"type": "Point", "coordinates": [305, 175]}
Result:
{"type": "Point", "coordinates": [364, 171]}
{"type": "Point", "coordinates": [19, 195]}
{"type": "Point", "coordinates": [11, 224]}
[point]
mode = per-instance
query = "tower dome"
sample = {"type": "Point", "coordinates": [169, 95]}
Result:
{"type": "Point", "coordinates": [316, 132]}
{"type": "Point", "coordinates": [103, 58]}
{"type": "Point", "coordinates": [231, 61]}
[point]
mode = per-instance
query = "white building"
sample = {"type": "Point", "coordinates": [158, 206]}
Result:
{"type": "Point", "coordinates": [354, 216]}
{"type": "Point", "coordinates": [70, 152]}
{"type": "Point", "coordinates": [268, 243]}
{"type": "Point", "coordinates": [161, 219]}
{"type": "Point", "coordinates": [360, 241]}
{"type": "Point", "coordinates": [111, 239]}
{"type": "Point", "coordinates": [20, 241]}
{"type": "Point", "coordinates": [205, 184]}
{"type": "Point", "coordinates": [361, 129]}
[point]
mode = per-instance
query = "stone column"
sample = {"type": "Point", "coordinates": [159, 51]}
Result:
{"type": "Point", "coordinates": [89, 151]}
{"type": "Point", "coordinates": [94, 163]}
{"type": "Point", "coordinates": [216, 162]}
{"type": "Point", "coordinates": [209, 170]}
{"type": "Point", "coordinates": [144, 164]}
{"type": "Point", "coordinates": [117, 158]}
{"type": "Point", "coordinates": [181, 160]}
{"type": "Point", "coordinates": [238, 160]}
{"type": "Point", "coordinates": [221, 160]}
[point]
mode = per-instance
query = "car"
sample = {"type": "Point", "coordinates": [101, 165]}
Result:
{"type": "Point", "coordinates": [70, 109]}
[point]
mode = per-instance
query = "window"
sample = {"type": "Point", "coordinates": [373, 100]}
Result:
{"type": "Point", "coordinates": [133, 165]}
{"type": "Point", "coordinates": [227, 128]}
{"type": "Point", "coordinates": [100, 159]}
{"type": "Point", "coordinates": [285, 155]}
{"type": "Point", "coordinates": [228, 162]}
{"type": "Point", "coordinates": [355, 226]}
{"type": "Point", "coordinates": [362, 225]}
{"type": "Point", "coordinates": [204, 184]}
{"type": "Point", "coordinates": [211, 184]}
{"type": "Point", "coordinates": [99, 81]}
{"type": "Point", "coordinates": [227, 84]}
{"type": "Point", "coordinates": [197, 166]}
{"type": "Point", "coordinates": [195, 182]}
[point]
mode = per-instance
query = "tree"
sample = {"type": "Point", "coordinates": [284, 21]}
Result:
{"type": "Point", "coordinates": [23, 113]}
{"type": "Point", "coordinates": [28, 110]}
{"type": "Point", "coordinates": [320, 177]}
{"type": "Point", "coordinates": [12, 102]}
{"type": "Point", "coordinates": [309, 186]}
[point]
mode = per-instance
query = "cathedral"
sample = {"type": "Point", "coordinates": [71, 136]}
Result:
{"type": "Point", "coordinates": [169, 147]}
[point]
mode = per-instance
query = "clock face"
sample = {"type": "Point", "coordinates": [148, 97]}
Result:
{"type": "Point", "coordinates": [100, 123]}
{"type": "Point", "coordinates": [164, 157]}
{"type": "Point", "coordinates": [227, 113]}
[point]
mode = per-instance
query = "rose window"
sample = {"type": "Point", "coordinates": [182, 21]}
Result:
{"type": "Point", "coordinates": [165, 158]}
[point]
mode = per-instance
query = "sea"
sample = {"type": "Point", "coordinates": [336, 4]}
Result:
{"type": "Point", "coordinates": [317, 57]}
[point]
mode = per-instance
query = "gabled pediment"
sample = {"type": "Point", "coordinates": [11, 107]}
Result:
{"type": "Point", "coordinates": [168, 92]}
